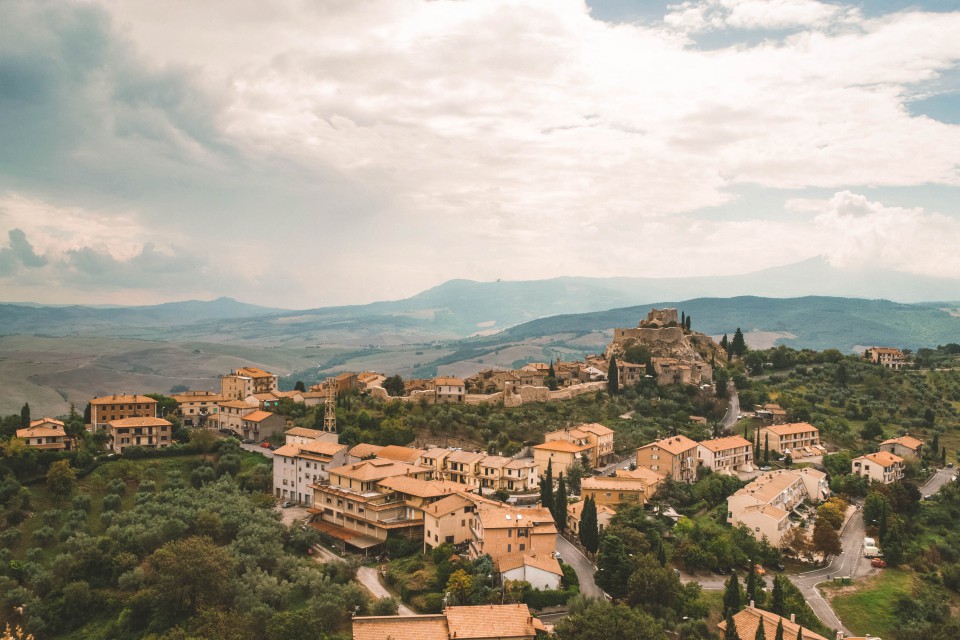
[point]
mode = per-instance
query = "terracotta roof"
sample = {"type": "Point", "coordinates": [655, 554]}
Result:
{"type": "Point", "coordinates": [722, 444]}
{"type": "Point", "coordinates": [603, 483]}
{"type": "Point", "coordinates": [791, 428]}
{"type": "Point", "coordinates": [576, 509]}
{"type": "Point", "coordinates": [596, 428]}
{"type": "Point", "coordinates": [749, 619]}
{"type": "Point", "coordinates": [238, 404]}
{"type": "Point", "coordinates": [266, 396]}
{"type": "Point", "coordinates": [436, 452]}
{"type": "Point", "coordinates": [563, 445]}
{"type": "Point", "coordinates": [494, 462]}
{"type": "Point", "coordinates": [364, 450]}
{"type": "Point", "coordinates": [642, 473]}
{"type": "Point", "coordinates": [521, 463]}
{"type": "Point", "coordinates": [491, 621]}
{"type": "Point", "coordinates": [253, 372]}
{"type": "Point", "coordinates": [304, 433]}
{"type": "Point", "coordinates": [38, 431]}
{"type": "Point", "coordinates": [403, 454]}
{"type": "Point", "coordinates": [375, 470]}
{"type": "Point", "coordinates": [465, 457]}
{"type": "Point", "coordinates": [883, 458]}
{"type": "Point", "coordinates": [450, 504]}
{"type": "Point", "coordinates": [423, 488]}
{"type": "Point", "coordinates": [258, 416]}
{"type": "Point", "coordinates": [42, 421]}
{"type": "Point", "coordinates": [427, 627]}
{"type": "Point", "coordinates": [123, 399]}
{"type": "Point", "coordinates": [775, 513]}
{"type": "Point", "coordinates": [674, 444]}
{"type": "Point", "coordinates": [510, 561]}
{"type": "Point", "coordinates": [197, 396]}
{"type": "Point", "coordinates": [139, 422]}
{"type": "Point", "coordinates": [492, 517]}
{"type": "Point", "coordinates": [316, 448]}
{"type": "Point", "coordinates": [448, 382]}
{"type": "Point", "coordinates": [769, 485]}
{"type": "Point", "coordinates": [905, 441]}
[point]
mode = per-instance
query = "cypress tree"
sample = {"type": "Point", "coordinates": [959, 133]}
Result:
{"type": "Point", "coordinates": [800, 633]}
{"type": "Point", "coordinates": [934, 446]}
{"type": "Point", "coordinates": [766, 449]}
{"type": "Point", "coordinates": [683, 319]}
{"type": "Point", "coordinates": [777, 597]}
{"type": "Point", "coordinates": [86, 414]}
{"type": "Point", "coordinates": [661, 553]}
{"type": "Point", "coordinates": [688, 323]}
{"type": "Point", "coordinates": [731, 631]}
{"type": "Point", "coordinates": [725, 343]}
{"type": "Point", "coordinates": [25, 416]}
{"type": "Point", "coordinates": [943, 455]}
{"type": "Point", "coordinates": [589, 535]}
{"type": "Point", "coordinates": [752, 581]}
{"type": "Point", "coordinates": [613, 378]}
{"type": "Point", "coordinates": [546, 488]}
{"type": "Point", "coordinates": [560, 505]}
{"type": "Point", "coordinates": [761, 634]}
{"type": "Point", "coordinates": [779, 635]}
{"type": "Point", "coordinates": [731, 597]}
{"type": "Point", "coordinates": [739, 346]}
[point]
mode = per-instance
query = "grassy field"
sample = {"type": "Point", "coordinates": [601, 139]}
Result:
{"type": "Point", "coordinates": [870, 606]}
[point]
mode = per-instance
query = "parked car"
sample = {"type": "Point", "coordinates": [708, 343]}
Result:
{"type": "Point", "coordinates": [759, 570]}
{"type": "Point", "coordinates": [286, 504]}
{"type": "Point", "coordinates": [265, 444]}
{"type": "Point", "coordinates": [878, 563]}
{"type": "Point", "coordinates": [764, 468]}
{"type": "Point", "coordinates": [248, 441]}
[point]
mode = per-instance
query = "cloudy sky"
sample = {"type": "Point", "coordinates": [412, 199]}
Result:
{"type": "Point", "coordinates": [303, 153]}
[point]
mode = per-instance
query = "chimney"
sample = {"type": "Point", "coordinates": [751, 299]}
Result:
{"type": "Point", "coordinates": [793, 618]}
{"type": "Point", "coordinates": [751, 605]}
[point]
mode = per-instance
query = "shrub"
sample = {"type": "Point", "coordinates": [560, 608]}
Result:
{"type": "Point", "coordinates": [549, 598]}
{"type": "Point", "coordinates": [111, 502]}
{"type": "Point", "coordinates": [81, 502]}
{"type": "Point", "coordinates": [44, 535]}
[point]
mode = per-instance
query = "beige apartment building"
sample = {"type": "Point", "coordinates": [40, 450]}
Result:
{"type": "Point", "coordinates": [246, 381]}
{"type": "Point", "coordinates": [503, 530]}
{"type": "Point", "coordinates": [448, 520]}
{"type": "Point", "coordinates": [562, 455]}
{"type": "Point", "coordinates": [260, 425]}
{"type": "Point", "coordinates": [676, 457]}
{"type": "Point", "coordinates": [599, 437]}
{"type": "Point", "coordinates": [354, 509]}
{"type": "Point", "coordinates": [764, 505]}
{"type": "Point", "coordinates": [231, 412]}
{"type": "Point", "coordinates": [575, 512]}
{"type": "Point", "coordinates": [149, 433]}
{"type": "Point", "coordinates": [301, 435]}
{"type": "Point", "coordinates": [298, 465]}
{"type": "Point", "coordinates": [116, 407]}
{"type": "Point", "coordinates": [797, 439]}
{"type": "Point", "coordinates": [449, 390]}
{"type": "Point", "coordinates": [611, 491]}
{"type": "Point", "coordinates": [651, 479]}
{"type": "Point", "coordinates": [733, 453]}
{"type": "Point", "coordinates": [46, 433]}
{"type": "Point", "coordinates": [464, 467]}
{"type": "Point", "coordinates": [904, 446]}
{"type": "Point", "coordinates": [196, 408]}
{"type": "Point", "coordinates": [520, 474]}
{"type": "Point", "coordinates": [886, 356]}
{"type": "Point", "coordinates": [882, 467]}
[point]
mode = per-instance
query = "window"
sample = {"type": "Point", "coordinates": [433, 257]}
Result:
{"type": "Point", "coordinates": [523, 547]}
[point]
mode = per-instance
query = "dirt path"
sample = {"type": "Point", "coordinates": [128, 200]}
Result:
{"type": "Point", "coordinates": [370, 579]}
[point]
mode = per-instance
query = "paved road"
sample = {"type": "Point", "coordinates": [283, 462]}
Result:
{"type": "Point", "coordinates": [936, 483]}
{"type": "Point", "coordinates": [370, 579]}
{"type": "Point", "coordinates": [256, 448]}
{"type": "Point", "coordinates": [584, 568]}
{"type": "Point", "coordinates": [733, 411]}
{"type": "Point", "coordinates": [611, 469]}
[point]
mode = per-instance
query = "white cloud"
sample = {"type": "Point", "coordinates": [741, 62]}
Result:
{"type": "Point", "coordinates": [856, 232]}
{"type": "Point", "coordinates": [488, 138]}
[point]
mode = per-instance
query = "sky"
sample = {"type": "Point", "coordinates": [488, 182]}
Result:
{"type": "Point", "coordinates": [298, 153]}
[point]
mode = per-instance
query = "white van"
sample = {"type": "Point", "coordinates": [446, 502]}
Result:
{"type": "Point", "coordinates": [871, 552]}
{"type": "Point", "coordinates": [869, 542]}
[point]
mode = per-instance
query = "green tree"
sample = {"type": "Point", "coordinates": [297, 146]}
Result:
{"type": "Point", "coordinates": [184, 575]}
{"type": "Point", "coordinates": [299, 386]}
{"type": "Point", "coordinates": [730, 633]}
{"type": "Point", "coordinates": [61, 479]}
{"type": "Point", "coordinates": [602, 621]}
{"type": "Point", "coordinates": [731, 597]}
{"type": "Point", "coordinates": [739, 346]}
{"type": "Point", "coordinates": [752, 581]}
{"type": "Point", "coordinates": [761, 634]}
{"type": "Point", "coordinates": [613, 566]}
{"type": "Point", "coordinates": [460, 586]}
{"type": "Point", "coordinates": [203, 440]}
{"type": "Point", "coordinates": [777, 597]}
{"type": "Point", "coordinates": [394, 386]}
{"type": "Point", "coordinates": [721, 380]}
{"type": "Point", "coordinates": [25, 416]}
{"type": "Point", "coordinates": [724, 343]}
{"type": "Point", "coordinates": [687, 324]}
{"type": "Point", "coordinates": [546, 488]}
{"type": "Point", "coordinates": [766, 449]}
{"type": "Point", "coordinates": [779, 634]}
{"type": "Point", "coordinates": [613, 377]}
{"type": "Point", "coordinates": [841, 375]}
{"type": "Point", "coordinates": [661, 553]}
{"type": "Point", "coordinates": [589, 535]}
{"type": "Point", "coordinates": [560, 505]}
{"type": "Point", "coordinates": [825, 538]}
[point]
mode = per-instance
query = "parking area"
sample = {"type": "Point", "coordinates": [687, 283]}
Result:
{"type": "Point", "coordinates": [290, 515]}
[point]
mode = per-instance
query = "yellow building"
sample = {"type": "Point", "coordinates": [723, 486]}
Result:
{"type": "Point", "coordinates": [149, 433]}
{"type": "Point", "coordinates": [676, 457]}
{"type": "Point", "coordinates": [797, 439]}
{"type": "Point", "coordinates": [116, 407]}
{"type": "Point", "coordinates": [562, 455]}
{"type": "Point", "coordinates": [46, 433]}
{"type": "Point", "coordinates": [606, 490]}
{"type": "Point", "coordinates": [882, 467]}
{"type": "Point", "coordinates": [246, 381]}
{"type": "Point", "coordinates": [194, 408]}
{"type": "Point", "coordinates": [599, 437]}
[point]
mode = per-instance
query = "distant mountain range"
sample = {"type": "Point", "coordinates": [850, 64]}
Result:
{"type": "Point", "coordinates": [461, 309]}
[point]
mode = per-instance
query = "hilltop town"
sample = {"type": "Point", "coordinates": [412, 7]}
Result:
{"type": "Point", "coordinates": [525, 522]}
